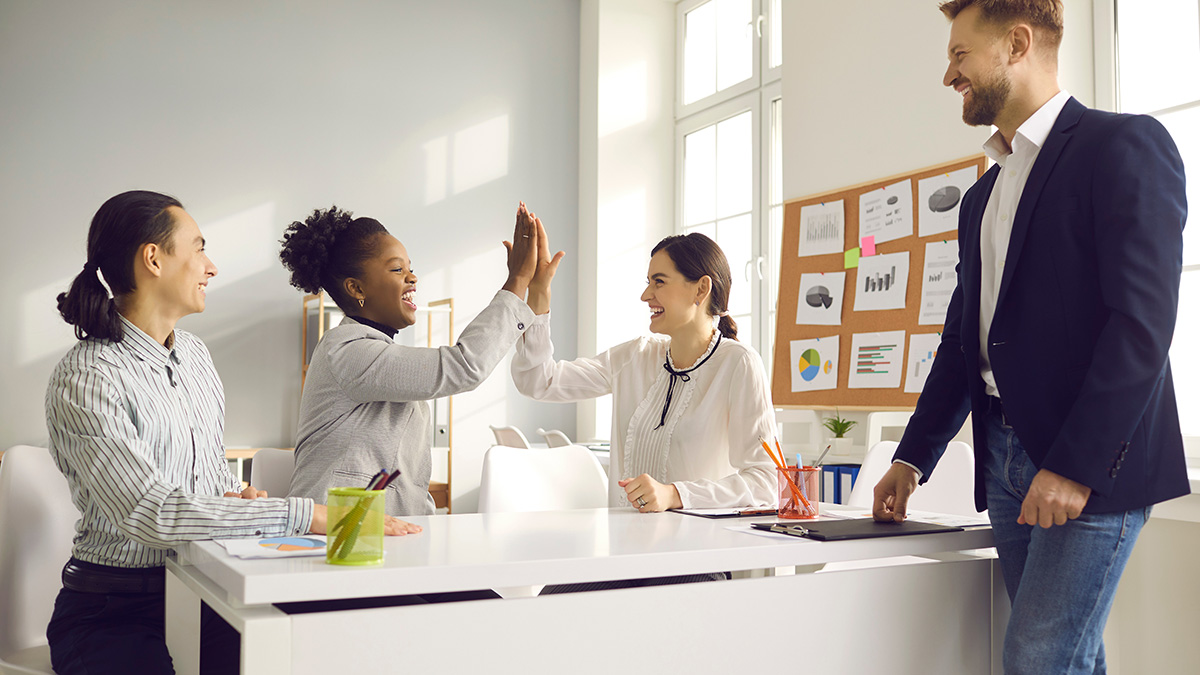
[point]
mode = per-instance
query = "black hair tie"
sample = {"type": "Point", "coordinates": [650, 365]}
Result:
{"type": "Point", "coordinates": [681, 375]}
{"type": "Point", "coordinates": [90, 267]}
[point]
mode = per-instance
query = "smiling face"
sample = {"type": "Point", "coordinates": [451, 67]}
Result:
{"type": "Point", "coordinates": [186, 269]}
{"type": "Point", "coordinates": [977, 68]}
{"type": "Point", "coordinates": [387, 285]}
{"type": "Point", "coordinates": [672, 298]}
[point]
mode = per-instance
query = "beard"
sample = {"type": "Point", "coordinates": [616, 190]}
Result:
{"type": "Point", "coordinates": [987, 99]}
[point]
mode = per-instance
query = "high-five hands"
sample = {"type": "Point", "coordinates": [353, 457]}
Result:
{"type": "Point", "coordinates": [649, 495]}
{"type": "Point", "coordinates": [522, 253]}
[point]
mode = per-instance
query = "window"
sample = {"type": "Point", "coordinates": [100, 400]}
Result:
{"type": "Point", "coordinates": [728, 147]}
{"type": "Point", "coordinates": [1157, 72]}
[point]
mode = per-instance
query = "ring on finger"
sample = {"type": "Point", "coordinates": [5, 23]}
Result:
{"type": "Point", "coordinates": [641, 502]}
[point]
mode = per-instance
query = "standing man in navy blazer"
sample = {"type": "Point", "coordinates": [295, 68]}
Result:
{"type": "Point", "coordinates": [1057, 335]}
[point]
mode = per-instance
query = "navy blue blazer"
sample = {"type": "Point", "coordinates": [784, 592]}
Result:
{"type": "Point", "coordinates": [1086, 311]}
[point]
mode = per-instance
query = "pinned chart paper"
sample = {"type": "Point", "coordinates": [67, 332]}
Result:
{"type": "Point", "coordinates": [886, 213]}
{"type": "Point", "coordinates": [882, 282]}
{"type": "Point", "coordinates": [922, 349]}
{"type": "Point", "coordinates": [814, 364]}
{"type": "Point", "coordinates": [938, 199]}
{"type": "Point", "coordinates": [876, 360]}
{"type": "Point", "coordinates": [820, 301]}
{"type": "Point", "coordinates": [938, 281]}
{"type": "Point", "coordinates": [822, 228]}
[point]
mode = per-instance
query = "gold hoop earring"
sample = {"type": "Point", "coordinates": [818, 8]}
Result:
{"type": "Point", "coordinates": [362, 301]}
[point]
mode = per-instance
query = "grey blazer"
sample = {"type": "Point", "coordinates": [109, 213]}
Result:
{"type": "Point", "coordinates": [365, 404]}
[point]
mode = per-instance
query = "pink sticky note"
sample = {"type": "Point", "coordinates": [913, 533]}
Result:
{"type": "Point", "coordinates": [868, 246]}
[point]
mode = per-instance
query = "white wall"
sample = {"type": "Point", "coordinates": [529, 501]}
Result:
{"type": "Point", "coordinates": [627, 171]}
{"type": "Point", "coordinates": [435, 118]}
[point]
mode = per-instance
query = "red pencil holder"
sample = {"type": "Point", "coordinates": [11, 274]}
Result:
{"type": "Point", "coordinates": [806, 479]}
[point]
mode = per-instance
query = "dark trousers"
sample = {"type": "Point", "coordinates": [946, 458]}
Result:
{"type": "Point", "coordinates": [92, 633]}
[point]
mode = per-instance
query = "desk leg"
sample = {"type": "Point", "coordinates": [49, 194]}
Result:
{"type": "Point", "coordinates": [1001, 610]}
{"type": "Point", "coordinates": [267, 644]}
{"type": "Point", "coordinates": [183, 626]}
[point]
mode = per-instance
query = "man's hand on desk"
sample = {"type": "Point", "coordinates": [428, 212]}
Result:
{"type": "Point", "coordinates": [250, 492]}
{"type": "Point", "coordinates": [392, 527]}
{"type": "Point", "coordinates": [1053, 500]}
{"type": "Point", "coordinates": [649, 495]}
{"type": "Point", "coordinates": [892, 493]}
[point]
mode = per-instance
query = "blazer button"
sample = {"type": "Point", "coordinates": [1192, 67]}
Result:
{"type": "Point", "coordinates": [1112, 473]}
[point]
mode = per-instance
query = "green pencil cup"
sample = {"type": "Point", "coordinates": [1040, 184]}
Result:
{"type": "Point", "coordinates": [355, 526]}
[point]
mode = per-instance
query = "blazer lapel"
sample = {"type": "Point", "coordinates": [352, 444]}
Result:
{"type": "Point", "coordinates": [971, 262]}
{"type": "Point", "coordinates": [1042, 166]}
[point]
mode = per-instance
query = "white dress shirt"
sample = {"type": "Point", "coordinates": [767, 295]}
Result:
{"type": "Point", "coordinates": [137, 428]}
{"type": "Point", "coordinates": [996, 227]}
{"type": "Point", "coordinates": [708, 447]}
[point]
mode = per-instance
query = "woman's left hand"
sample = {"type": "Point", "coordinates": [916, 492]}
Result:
{"type": "Point", "coordinates": [250, 492]}
{"type": "Point", "coordinates": [649, 495]}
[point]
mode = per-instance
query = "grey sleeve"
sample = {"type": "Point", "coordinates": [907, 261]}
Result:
{"type": "Point", "coordinates": [378, 370]}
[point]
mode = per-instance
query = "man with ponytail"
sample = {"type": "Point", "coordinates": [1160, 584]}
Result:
{"type": "Point", "coordinates": [136, 412]}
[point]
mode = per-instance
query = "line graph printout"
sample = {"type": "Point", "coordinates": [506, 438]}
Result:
{"type": "Point", "coordinates": [922, 349]}
{"type": "Point", "coordinates": [876, 360]}
{"type": "Point", "coordinates": [822, 228]}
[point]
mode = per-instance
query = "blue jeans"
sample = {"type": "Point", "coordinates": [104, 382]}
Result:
{"type": "Point", "coordinates": [1061, 580]}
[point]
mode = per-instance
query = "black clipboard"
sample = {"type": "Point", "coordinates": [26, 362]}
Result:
{"type": "Point", "coordinates": [856, 528]}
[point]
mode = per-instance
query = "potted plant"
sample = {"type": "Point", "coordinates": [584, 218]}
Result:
{"type": "Point", "coordinates": [838, 426]}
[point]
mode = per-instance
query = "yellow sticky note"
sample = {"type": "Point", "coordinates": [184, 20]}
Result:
{"type": "Point", "coordinates": [852, 258]}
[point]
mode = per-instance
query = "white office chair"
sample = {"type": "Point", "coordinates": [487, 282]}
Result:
{"type": "Point", "coordinates": [37, 525]}
{"type": "Point", "coordinates": [271, 470]}
{"type": "Point", "coordinates": [541, 479]}
{"type": "Point", "coordinates": [554, 438]}
{"type": "Point", "coordinates": [950, 489]}
{"type": "Point", "coordinates": [509, 436]}
{"type": "Point", "coordinates": [886, 426]}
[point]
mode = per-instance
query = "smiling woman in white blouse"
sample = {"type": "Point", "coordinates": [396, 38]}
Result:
{"type": "Point", "coordinates": [690, 402]}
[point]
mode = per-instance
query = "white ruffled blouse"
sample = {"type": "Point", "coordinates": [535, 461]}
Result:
{"type": "Point", "coordinates": [709, 445]}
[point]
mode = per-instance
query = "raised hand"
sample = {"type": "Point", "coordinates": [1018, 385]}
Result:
{"type": "Point", "coordinates": [547, 266]}
{"type": "Point", "coordinates": [522, 253]}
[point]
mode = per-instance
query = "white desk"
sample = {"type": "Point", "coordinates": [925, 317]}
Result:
{"type": "Point", "coordinates": [922, 618]}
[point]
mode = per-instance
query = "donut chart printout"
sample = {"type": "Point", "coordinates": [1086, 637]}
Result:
{"type": "Point", "coordinates": [821, 299]}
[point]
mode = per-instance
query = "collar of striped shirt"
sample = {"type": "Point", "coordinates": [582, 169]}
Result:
{"type": "Point", "coordinates": [146, 348]}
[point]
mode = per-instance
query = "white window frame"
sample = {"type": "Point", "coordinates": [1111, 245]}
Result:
{"type": "Point", "coordinates": [753, 95]}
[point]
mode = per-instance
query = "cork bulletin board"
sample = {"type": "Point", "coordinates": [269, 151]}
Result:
{"type": "Point", "coordinates": [793, 332]}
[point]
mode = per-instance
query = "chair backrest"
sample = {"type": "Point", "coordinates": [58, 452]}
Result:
{"type": "Point", "coordinates": [37, 527]}
{"type": "Point", "coordinates": [886, 426]}
{"type": "Point", "coordinates": [876, 463]}
{"type": "Point", "coordinates": [950, 488]}
{"type": "Point", "coordinates": [554, 438]}
{"type": "Point", "coordinates": [510, 437]}
{"type": "Point", "coordinates": [541, 479]}
{"type": "Point", "coordinates": [271, 470]}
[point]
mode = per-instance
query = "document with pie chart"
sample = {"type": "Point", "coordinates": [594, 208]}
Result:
{"type": "Point", "coordinates": [820, 302]}
{"type": "Point", "coordinates": [814, 364]}
{"type": "Point", "coordinates": [938, 198]}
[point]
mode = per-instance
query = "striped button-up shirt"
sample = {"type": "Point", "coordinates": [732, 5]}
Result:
{"type": "Point", "coordinates": [136, 428]}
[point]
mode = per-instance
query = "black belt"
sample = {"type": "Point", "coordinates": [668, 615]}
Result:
{"type": "Point", "coordinates": [86, 577]}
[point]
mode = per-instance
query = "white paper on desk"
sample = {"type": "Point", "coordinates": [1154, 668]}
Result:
{"type": "Point", "coordinates": [820, 302]}
{"type": "Point", "coordinates": [882, 282]}
{"type": "Point", "coordinates": [876, 360]}
{"type": "Point", "coordinates": [814, 365]}
{"type": "Point", "coordinates": [275, 547]}
{"type": "Point", "coordinates": [938, 200]}
{"type": "Point", "coordinates": [886, 213]}
{"type": "Point", "coordinates": [938, 281]}
{"type": "Point", "coordinates": [922, 350]}
{"type": "Point", "coordinates": [822, 228]}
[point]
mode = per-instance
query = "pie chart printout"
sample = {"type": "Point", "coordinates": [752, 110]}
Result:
{"type": "Point", "coordinates": [944, 198]}
{"type": "Point", "coordinates": [292, 543]}
{"type": "Point", "coordinates": [818, 296]}
{"type": "Point", "coordinates": [810, 365]}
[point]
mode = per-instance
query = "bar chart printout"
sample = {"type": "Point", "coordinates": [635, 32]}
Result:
{"type": "Point", "coordinates": [822, 228]}
{"type": "Point", "coordinates": [922, 350]}
{"type": "Point", "coordinates": [876, 360]}
{"type": "Point", "coordinates": [882, 282]}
